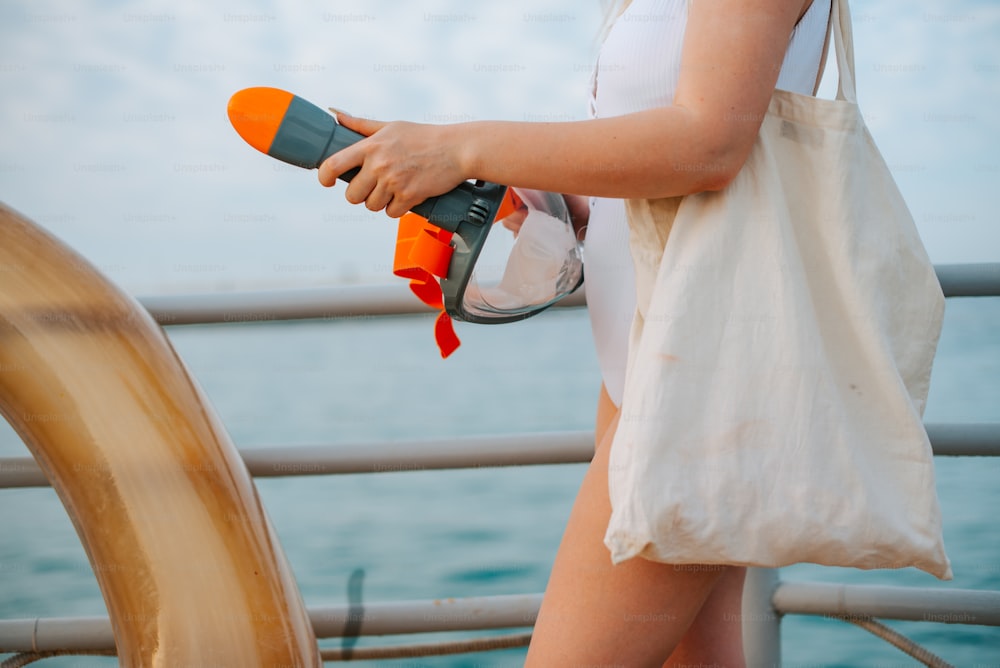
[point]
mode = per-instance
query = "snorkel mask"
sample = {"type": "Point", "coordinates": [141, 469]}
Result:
{"type": "Point", "coordinates": [444, 237]}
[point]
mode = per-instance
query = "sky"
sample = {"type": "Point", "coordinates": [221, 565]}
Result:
{"type": "Point", "coordinates": [115, 136]}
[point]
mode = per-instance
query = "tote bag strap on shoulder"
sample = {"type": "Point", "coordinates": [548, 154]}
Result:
{"type": "Point", "coordinates": [843, 39]}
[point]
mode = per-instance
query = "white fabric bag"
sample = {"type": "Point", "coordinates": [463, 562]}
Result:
{"type": "Point", "coordinates": [780, 359]}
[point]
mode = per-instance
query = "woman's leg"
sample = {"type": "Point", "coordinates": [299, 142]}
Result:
{"type": "Point", "coordinates": [715, 638]}
{"type": "Point", "coordinates": [597, 613]}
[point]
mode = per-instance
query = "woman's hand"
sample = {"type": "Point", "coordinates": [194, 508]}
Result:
{"type": "Point", "coordinates": [515, 219]}
{"type": "Point", "coordinates": [579, 215]}
{"type": "Point", "coordinates": [402, 164]}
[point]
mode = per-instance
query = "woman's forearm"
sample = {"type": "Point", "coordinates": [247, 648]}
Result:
{"type": "Point", "coordinates": [661, 152]}
{"type": "Point", "coordinates": [658, 153]}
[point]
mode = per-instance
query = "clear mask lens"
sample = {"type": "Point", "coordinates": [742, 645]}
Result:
{"type": "Point", "coordinates": [519, 275]}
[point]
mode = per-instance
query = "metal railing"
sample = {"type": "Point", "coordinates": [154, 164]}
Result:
{"type": "Point", "coordinates": [766, 597]}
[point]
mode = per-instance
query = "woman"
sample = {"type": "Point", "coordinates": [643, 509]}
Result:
{"type": "Point", "coordinates": [680, 91]}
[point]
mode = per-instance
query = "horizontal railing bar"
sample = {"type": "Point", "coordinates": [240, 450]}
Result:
{"type": "Point", "coordinates": [327, 303]}
{"type": "Point", "coordinates": [968, 439]}
{"type": "Point", "coordinates": [376, 619]}
{"type": "Point", "coordinates": [354, 301]}
{"type": "Point", "coordinates": [950, 606]}
{"type": "Point", "coordinates": [428, 616]}
{"type": "Point", "coordinates": [567, 447]}
{"type": "Point", "coordinates": [54, 633]}
{"type": "Point", "coordinates": [364, 301]}
{"type": "Point", "coordinates": [969, 280]}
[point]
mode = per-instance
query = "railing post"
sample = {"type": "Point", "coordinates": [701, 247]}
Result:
{"type": "Point", "coordinates": [761, 622]}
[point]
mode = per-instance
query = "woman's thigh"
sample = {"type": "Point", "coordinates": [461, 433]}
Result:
{"type": "Point", "coordinates": [598, 613]}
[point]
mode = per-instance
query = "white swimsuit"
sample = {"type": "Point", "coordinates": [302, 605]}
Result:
{"type": "Point", "coordinates": [637, 69]}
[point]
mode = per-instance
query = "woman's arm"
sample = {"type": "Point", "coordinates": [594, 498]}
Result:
{"type": "Point", "coordinates": [733, 50]}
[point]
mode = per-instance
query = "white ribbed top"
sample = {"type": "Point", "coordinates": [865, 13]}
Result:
{"type": "Point", "coordinates": [640, 59]}
{"type": "Point", "coordinates": [637, 69]}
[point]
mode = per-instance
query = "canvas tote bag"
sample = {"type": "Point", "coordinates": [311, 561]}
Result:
{"type": "Point", "coordinates": [780, 358]}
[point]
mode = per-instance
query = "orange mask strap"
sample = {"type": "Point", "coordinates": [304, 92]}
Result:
{"type": "Point", "coordinates": [423, 253]}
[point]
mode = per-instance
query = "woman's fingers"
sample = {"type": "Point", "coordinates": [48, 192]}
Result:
{"type": "Point", "coordinates": [359, 188]}
{"type": "Point", "coordinates": [352, 156]}
{"type": "Point", "coordinates": [401, 164]}
{"type": "Point", "coordinates": [364, 126]}
{"type": "Point", "coordinates": [366, 188]}
{"type": "Point", "coordinates": [340, 162]}
{"type": "Point", "coordinates": [514, 220]}
{"type": "Point", "coordinates": [378, 198]}
{"type": "Point", "coordinates": [395, 209]}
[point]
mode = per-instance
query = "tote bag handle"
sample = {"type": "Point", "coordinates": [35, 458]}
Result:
{"type": "Point", "coordinates": [843, 39]}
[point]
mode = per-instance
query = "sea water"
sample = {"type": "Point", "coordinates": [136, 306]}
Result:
{"type": "Point", "coordinates": [437, 534]}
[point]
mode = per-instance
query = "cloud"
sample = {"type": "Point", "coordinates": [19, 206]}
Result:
{"type": "Point", "coordinates": [119, 141]}
{"type": "Point", "coordinates": [116, 136]}
{"type": "Point", "coordinates": [928, 87]}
